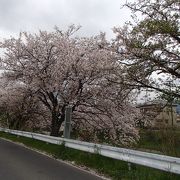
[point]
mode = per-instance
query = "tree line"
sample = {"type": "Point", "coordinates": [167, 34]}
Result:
{"type": "Point", "coordinates": [43, 73]}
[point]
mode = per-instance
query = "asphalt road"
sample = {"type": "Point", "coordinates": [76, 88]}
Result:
{"type": "Point", "coordinates": [20, 163]}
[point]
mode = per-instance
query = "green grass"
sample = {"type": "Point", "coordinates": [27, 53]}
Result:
{"type": "Point", "coordinates": [164, 141]}
{"type": "Point", "coordinates": [117, 170]}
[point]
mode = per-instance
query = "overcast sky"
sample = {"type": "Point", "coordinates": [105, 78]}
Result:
{"type": "Point", "coordinates": [31, 15]}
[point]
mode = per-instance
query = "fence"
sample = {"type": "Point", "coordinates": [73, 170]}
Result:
{"type": "Point", "coordinates": [162, 162]}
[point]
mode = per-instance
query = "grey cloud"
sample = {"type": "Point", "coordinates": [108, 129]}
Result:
{"type": "Point", "coordinates": [31, 15]}
{"type": "Point", "coordinates": [9, 13]}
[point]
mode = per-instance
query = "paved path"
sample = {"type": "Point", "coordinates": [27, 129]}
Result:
{"type": "Point", "coordinates": [19, 163]}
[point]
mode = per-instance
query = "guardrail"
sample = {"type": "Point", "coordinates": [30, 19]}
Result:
{"type": "Point", "coordinates": [161, 162]}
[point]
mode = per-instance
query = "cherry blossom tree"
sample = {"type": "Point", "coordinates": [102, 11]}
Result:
{"type": "Point", "coordinates": [63, 70]}
{"type": "Point", "coordinates": [20, 109]}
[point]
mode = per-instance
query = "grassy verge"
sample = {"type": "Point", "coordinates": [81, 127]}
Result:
{"type": "Point", "coordinates": [165, 141]}
{"type": "Point", "coordinates": [103, 165]}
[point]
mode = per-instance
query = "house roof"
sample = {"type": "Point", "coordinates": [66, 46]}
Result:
{"type": "Point", "coordinates": [160, 103]}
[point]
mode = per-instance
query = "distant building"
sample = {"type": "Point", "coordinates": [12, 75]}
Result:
{"type": "Point", "coordinates": [161, 113]}
{"type": "Point", "coordinates": [178, 113]}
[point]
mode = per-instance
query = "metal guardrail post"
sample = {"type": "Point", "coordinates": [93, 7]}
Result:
{"type": "Point", "coordinates": [67, 126]}
{"type": "Point", "coordinates": [129, 166]}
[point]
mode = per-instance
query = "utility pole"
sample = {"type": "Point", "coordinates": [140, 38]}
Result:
{"type": "Point", "coordinates": [67, 126]}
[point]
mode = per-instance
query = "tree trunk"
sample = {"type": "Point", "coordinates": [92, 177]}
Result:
{"type": "Point", "coordinates": [55, 125]}
{"type": "Point", "coordinates": [55, 129]}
